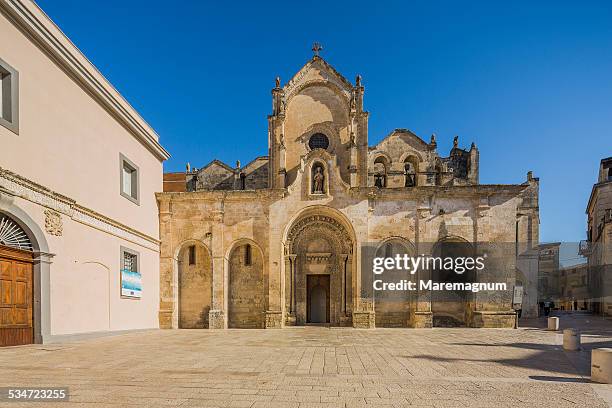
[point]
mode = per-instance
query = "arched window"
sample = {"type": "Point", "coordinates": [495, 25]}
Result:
{"type": "Point", "coordinates": [380, 172]}
{"type": "Point", "coordinates": [242, 181]}
{"type": "Point", "coordinates": [318, 141]}
{"type": "Point", "coordinates": [410, 176]}
{"type": "Point", "coordinates": [247, 255]}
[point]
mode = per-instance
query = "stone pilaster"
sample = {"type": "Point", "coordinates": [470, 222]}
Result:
{"type": "Point", "coordinates": [274, 319]}
{"type": "Point", "coordinates": [166, 266]}
{"type": "Point", "coordinates": [364, 320]}
{"type": "Point", "coordinates": [216, 319]}
{"type": "Point", "coordinates": [422, 319]}
{"type": "Point", "coordinates": [217, 315]}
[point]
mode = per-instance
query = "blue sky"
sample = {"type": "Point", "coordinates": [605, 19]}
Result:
{"type": "Point", "coordinates": [530, 84]}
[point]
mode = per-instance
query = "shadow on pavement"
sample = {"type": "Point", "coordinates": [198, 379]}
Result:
{"type": "Point", "coordinates": [559, 379]}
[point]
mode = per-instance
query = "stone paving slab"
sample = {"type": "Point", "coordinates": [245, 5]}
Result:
{"type": "Point", "coordinates": [313, 367]}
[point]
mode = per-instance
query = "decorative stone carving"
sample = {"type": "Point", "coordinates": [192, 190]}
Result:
{"type": "Point", "coordinates": [323, 221]}
{"type": "Point", "coordinates": [318, 258]}
{"type": "Point", "coordinates": [53, 222]}
{"type": "Point", "coordinates": [424, 212]}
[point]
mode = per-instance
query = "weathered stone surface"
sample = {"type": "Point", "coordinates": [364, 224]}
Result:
{"type": "Point", "coordinates": [306, 242]}
{"type": "Point", "coordinates": [195, 287]}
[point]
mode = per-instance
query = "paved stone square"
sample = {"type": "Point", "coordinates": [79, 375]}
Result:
{"type": "Point", "coordinates": [316, 367]}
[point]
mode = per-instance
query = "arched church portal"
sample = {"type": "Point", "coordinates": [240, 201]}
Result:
{"type": "Point", "coordinates": [319, 272]}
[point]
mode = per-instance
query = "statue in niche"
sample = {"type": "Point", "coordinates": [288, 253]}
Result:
{"type": "Point", "coordinates": [318, 180]}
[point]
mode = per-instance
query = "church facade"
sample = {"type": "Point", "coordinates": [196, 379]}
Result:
{"type": "Point", "coordinates": [280, 241]}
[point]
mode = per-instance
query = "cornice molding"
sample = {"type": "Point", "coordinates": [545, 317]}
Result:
{"type": "Point", "coordinates": [19, 186]}
{"type": "Point", "coordinates": [28, 17]}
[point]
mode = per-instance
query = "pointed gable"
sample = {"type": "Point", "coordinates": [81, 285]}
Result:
{"type": "Point", "coordinates": [406, 136]}
{"type": "Point", "coordinates": [216, 175]}
{"type": "Point", "coordinates": [317, 71]}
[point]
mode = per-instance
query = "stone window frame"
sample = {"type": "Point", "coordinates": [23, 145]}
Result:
{"type": "Point", "coordinates": [321, 135]}
{"type": "Point", "coordinates": [332, 134]}
{"type": "Point", "coordinates": [384, 161]}
{"type": "Point", "coordinates": [125, 250]}
{"type": "Point", "coordinates": [9, 81]}
{"type": "Point", "coordinates": [135, 179]}
{"type": "Point", "coordinates": [248, 255]}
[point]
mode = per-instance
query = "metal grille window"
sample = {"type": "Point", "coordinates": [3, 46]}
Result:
{"type": "Point", "coordinates": [130, 261]}
{"type": "Point", "coordinates": [318, 141]}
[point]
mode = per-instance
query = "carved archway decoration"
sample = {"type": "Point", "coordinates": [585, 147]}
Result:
{"type": "Point", "coordinates": [319, 221]}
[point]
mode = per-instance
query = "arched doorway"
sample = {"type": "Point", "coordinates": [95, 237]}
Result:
{"type": "Point", "coordinates": [450, 308]}
{"type": "Point", "coordinates": [318, 271]}
{"type": "Point", "coordinates": [393, 307]}
{"type": "Point", "coordinates": [194, 286]}
{"type": "Point", "coordinates": [16, 284]}
{"type": "Point", "coordinates": [246, 300]}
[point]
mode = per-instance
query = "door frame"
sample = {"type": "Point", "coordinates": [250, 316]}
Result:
{"type": "Point", "coordinates": [27, 257]}
{"type": "Point", "coordinates": [310, 278]}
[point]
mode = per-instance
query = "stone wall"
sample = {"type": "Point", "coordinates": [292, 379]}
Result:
{"type": "Point", "coordinates": [447, 202]}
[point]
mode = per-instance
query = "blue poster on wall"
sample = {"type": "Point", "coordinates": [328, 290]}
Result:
{"type": "Point", "coordinates": [131, 284]}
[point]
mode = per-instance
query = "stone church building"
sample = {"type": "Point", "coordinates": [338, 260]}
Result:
{"type": "Point", "coordinates": [278, 242]}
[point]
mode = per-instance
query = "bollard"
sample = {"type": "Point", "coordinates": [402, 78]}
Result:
{"type": "Point", "coordinates": [601, 365]}
{"type": "Point", "coordinates": [553, 323]}
{"type": "Point", "coordinates": [571, 340]}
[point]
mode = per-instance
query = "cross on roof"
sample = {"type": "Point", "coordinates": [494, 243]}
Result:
{"type": "Point", "coordinates": [316, 48]}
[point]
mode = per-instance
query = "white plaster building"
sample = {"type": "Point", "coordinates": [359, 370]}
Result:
{"type": "Point", "coordinates": [78, 172]}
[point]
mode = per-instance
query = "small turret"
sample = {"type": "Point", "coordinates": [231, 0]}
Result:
{"type": "Point", "coordinates": [432, 142]}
